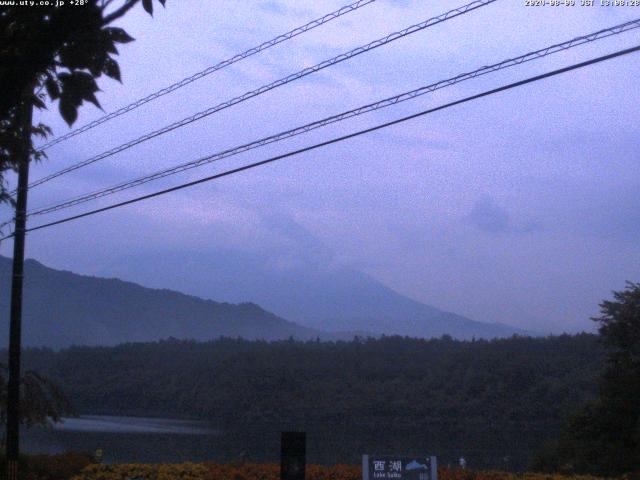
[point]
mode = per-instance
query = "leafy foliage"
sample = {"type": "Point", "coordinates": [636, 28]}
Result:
{"type": "Point", "coordinates": [42, 400]}
{"type": "Point", "coordinates": [50, 467]}
{"type": "Point", "coordinates": [604, 437]}
{"type": "Point", "coordinates": [57, 50]}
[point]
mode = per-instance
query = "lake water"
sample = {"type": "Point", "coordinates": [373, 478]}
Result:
{"type": "Point", "coordinates": [136, 439]}
{"type": "Point", "coordinates": [155, 440]}
{"type": "Point", "coordinates": [104, 423]}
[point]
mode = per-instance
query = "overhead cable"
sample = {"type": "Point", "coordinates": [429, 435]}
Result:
{"type": "Point", "coordinates": [208, 71]}
{"type": "Point", "coordinates": [265, 88]}
{"type": "Point", "coordinates": [487, 93]}
{"type": "Point", "coordinates": [534, 55]}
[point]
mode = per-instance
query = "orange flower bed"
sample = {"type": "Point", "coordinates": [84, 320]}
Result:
{"type": "Point", "coordinates": [261, 471]}
{"type": "Point", "coordinates": [255, 471]}
{"type": "Point", "coordinates": [252, 471]}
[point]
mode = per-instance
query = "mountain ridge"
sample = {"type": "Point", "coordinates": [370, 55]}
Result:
{"type": "Point", "coordinates": [304, 287]}
{"type": "Point", "coordinates": [62, 308]}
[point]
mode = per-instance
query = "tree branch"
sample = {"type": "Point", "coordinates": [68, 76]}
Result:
{"type": "Point", "coordinates": [119, 12]}
{"type": "Point", "coordinates": [105, 4]}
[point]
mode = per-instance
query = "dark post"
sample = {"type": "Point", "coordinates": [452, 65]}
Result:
{"type": "Point", "coordinates": [15, 325]}
{"type": "Point", "coordinates": [293, 455]}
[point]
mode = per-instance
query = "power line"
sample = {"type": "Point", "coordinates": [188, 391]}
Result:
{"type": "Point", "coordinates": [534, 55]}
{"type": "Point", "coordinates": [509, 86]}
{"type": "Point", "coordinates": [278, 83]}
{"type": "Point", "coordinates": [214, 68]}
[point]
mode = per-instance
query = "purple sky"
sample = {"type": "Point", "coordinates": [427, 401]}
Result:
{"type": "Point", "coordinates": [522, 208]}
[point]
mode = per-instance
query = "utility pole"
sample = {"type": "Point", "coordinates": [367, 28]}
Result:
{"type": "Point", "coordinates": [24, 119]}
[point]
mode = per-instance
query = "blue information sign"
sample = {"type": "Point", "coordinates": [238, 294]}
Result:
{"type": "Point", "coordinates": [392, 467]}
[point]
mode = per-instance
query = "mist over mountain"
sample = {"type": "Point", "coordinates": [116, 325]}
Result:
{"type": "Point", "coordinates": [62, 308]}
{"type": "Point", "coordinates": [308, 289]}
{"type": "Point", "coordinates": [310, 296]}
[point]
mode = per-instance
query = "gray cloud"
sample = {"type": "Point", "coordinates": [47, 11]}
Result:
{"type": "Point", "coordinates": [488, 216]}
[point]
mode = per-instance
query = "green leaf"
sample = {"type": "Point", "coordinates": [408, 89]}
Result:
{"type": "Point", "coordinates": [37, 102]}
{"type": "Point", "coordinates": [106, 41]}
{"type": "Point", "coordinates": [85, 86]}
{"type": "Point", "coordinates": [90, 97]}
{"type": "Point", "coordinates": [96, 63]}
{"type": "Point", "coordinates": [85, 80]}
{"type": "Point", "coordinates": [76, 56]}
{"type": "Point", "coordinates": [53, 89]}
{"type": "Point", "coordinates": [41, 130]}
{"type": "Point", "coordinates": [111, 69]}
{"type": "Point", "coordinates": [148, 6]}
{"type": "Point", "coordinates": [110, 47]}
{"type": "Point", "coordinates": [68, 111]}
{"type": "Point", "coordinates": [118, 35]}
{"type": "Point", "coordinates": [77, 87]}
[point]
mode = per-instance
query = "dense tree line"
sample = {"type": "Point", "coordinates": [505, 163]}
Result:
{"type": "Point", "coordinates": [603, 437]}
{"type": "Point", "coordinates": [493, 401]}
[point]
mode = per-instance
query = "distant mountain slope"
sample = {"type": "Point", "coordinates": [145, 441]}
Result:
{"type": "Point", "coordinates": [62, 308]}
{"type": "Point", "coordinates": [304, 288]}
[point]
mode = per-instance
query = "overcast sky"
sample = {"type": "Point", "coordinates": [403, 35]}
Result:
{"type": "Point", "coordinates": [522, 208]}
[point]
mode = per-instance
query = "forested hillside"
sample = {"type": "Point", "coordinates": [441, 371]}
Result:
{"type": "Point", "coordinates": [491, 401]}
{"type": "Point", "coordinates": [62, 309]}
